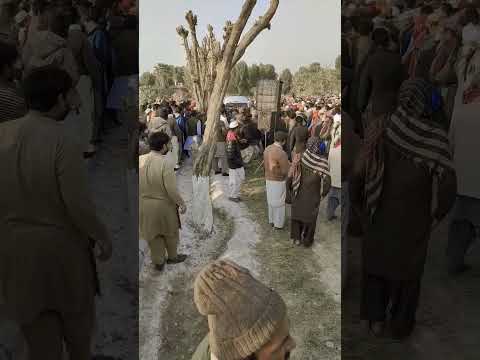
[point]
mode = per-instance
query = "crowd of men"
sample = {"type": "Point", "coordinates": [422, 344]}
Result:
{"type": "Point", "coordinates": [301, 149]}
{"type": "Point", "coordinates": [410, 98]}
{"type": "Point", "coordinates": [66, 68]}
{"type": "Point", "coordinates": [295, 146]}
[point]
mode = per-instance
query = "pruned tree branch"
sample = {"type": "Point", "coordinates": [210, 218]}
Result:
{"type": "Point", "coordinates": [192, 24]}
{"type": "Point", "coordinates": [226, 35]}
{"type": "Point", "coordinates": [237, 29]}
{"type": "Point", "coordinates": [262, 23]}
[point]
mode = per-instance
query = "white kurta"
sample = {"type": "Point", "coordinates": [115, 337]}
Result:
{"type": "Point", "coordinates": [235, 180]}
{"type": "Point", "coordinates": [335, 163]}
{"type": "Point", "coordinates": [276, 194]}
{"type": "Point", "coordinates": [175, 148]}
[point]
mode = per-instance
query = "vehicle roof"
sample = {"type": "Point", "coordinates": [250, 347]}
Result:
{"type": "Point", "coordinates": [235, 100]}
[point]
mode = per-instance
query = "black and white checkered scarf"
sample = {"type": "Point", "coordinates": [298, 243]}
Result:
{"type": "Point", "coordinates": [312, 160]}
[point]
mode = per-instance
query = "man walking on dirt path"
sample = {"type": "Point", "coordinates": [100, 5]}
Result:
{"type": "Point", "coordinates": [247, 320]}
{"type": "Point", "coordinates": [220, 154]}
{"type": "Point", "coordinates": [159, 203]}
{"type": "Point", "coordinates": [276, 170]}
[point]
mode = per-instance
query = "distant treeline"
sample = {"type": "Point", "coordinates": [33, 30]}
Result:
{"type": "Point", "coordinates": [309, 80]}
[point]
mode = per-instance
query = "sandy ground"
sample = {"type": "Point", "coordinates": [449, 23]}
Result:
{"type": "Point", "coordinates": [448, 317]}
{"type": "Point", "coordinates": [170, 326]}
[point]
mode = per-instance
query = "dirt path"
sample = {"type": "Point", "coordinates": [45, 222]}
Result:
{"type": "Point", "coordinates": [170, 326]}
{"type": "Point", "coordinates": [118, 277]}
{"type": "Point", "coordinates": [448, 317]}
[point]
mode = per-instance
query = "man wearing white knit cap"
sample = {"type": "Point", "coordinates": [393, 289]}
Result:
{"type": "Point", "coordinates": [247, 320]}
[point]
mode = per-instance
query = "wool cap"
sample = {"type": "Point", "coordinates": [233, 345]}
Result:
{"type": "Point", "coordinates": [243, 314]}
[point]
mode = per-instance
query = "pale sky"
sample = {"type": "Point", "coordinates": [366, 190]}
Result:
{"type": "Point", "coordinates": [303, 31]}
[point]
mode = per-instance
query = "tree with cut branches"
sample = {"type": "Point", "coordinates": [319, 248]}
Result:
{"type": "Point", "coordinates": [210, 66]}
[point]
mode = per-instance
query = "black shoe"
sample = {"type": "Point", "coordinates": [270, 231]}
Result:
{"type": "Point", "coordinates": [217, 172]}
{"type": "Point", "coordinates": [159, 267]}
{"type": "Point", "coordinates": [225, 174]}
{"type": "Point", "coordinates": [179, 259]}
{"type": "Point", "coordinates": [277, 228]}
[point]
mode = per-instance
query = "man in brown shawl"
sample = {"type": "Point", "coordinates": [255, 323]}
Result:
{"type": "Point", "coordinates": [310, 184]}
{"type": "Point", "coordinates": [410, 185]}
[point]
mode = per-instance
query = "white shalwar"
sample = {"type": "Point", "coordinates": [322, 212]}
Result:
{"type": "Point", "coordinates": [276, 194]}
{"type": "Point", "coordinates": [235, 179]}
{"type": "Point", "coordinates": [175, 148]}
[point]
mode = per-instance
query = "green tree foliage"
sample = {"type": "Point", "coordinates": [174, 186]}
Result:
{"type": "Point", "coordinates": [254, 73]}
{"type": "Point", "coordinates": [338, 63]}
{"type": "Point", "coordinates": [287, 79]}
{"type": "Point", "coordinates": [161, 82]}
{"type": "Point", "coordinates": [315, 80]}
{"type": "Point", "coordinates": [240, 80]}
{"type": "Point", "coordinates": [244, 78]}
{"type": "Point", "coordinates": [267, 72]}
{"type": "Point", "coordinates": [310, 80]}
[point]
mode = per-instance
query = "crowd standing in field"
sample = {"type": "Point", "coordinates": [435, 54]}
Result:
{"type": "Point", "coordinates": [410, 102]}
{"type": "Point", "coordinates": [300, 152]}
{"type": "Point", "coordinates": [66, 70]}
{"type": "Point", "coordinates": [295, 148]}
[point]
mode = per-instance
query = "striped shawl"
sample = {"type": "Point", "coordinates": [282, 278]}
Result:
{"type": "Point", "coordinates": [423, 142]}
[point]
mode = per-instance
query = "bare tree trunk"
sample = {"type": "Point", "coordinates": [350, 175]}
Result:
{"type": "Point", "coordinates": [233, 49]}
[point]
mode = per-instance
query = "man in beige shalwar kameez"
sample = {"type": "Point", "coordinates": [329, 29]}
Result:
{"type": "Point", "coordinates": [159, 203]}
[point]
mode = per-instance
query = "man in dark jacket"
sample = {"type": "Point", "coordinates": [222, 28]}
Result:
{"type": "Point", "coordinates": [380, 79]}
{"type": "Point", "coordinates": [177, 137]}
{"type": "Point", "coordinates": [236, 172]}
{"type": "Point", "coordinates": [220, 152]}
{"type": "Point", "coordinates": [250, 139]}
